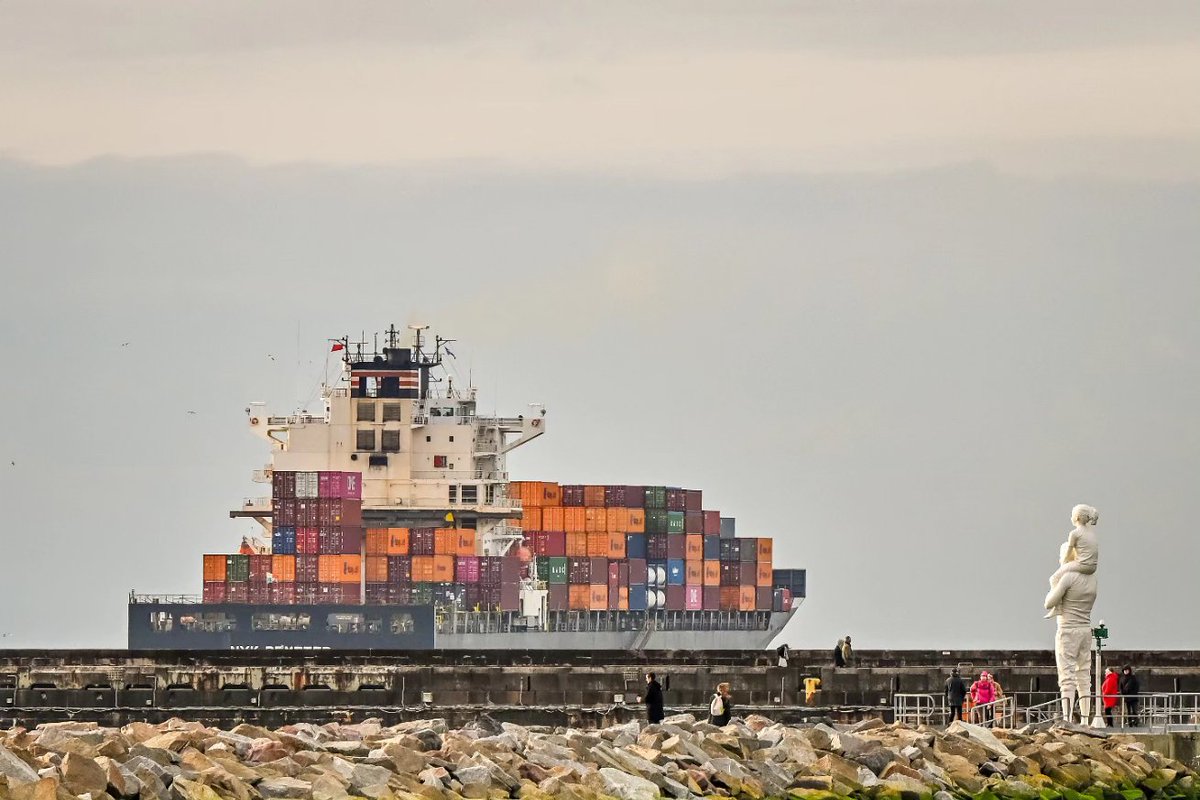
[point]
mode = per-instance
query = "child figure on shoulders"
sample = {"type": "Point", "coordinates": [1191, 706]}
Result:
{"type": "Point", "coordinates": [1083, 548]}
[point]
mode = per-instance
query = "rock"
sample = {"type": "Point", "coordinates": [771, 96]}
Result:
{"type": "Point", "coordinates": [326, 787]}
{"type": "Point", "coordinates": [983, 736]}
{"type": "Point", "coordinates": [873, 723]}
{"type": "Point", "coordinates": [183, 789]}
{"type": "Point", "coordinates": [263, 750]}
{"type": "Point", "coordinates": [81, 774]}
{"type": "Point", "coordinates": [404, 758]}
{"type": "Point", "coordinates": [15, 769]}
{"type": "Point", "coordinates": [40, 789]}
{"type": "Point", "coordinates": [896, 768]}
{"type": "Point", "coordinates": [367, 775]}
{"type": "Point", "coordinates": [622, 786]}
{"type": "Point", "coordinates": [284, 788]}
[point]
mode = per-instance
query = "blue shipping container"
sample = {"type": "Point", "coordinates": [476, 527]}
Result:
{"type": "Point", "coordinates": [635, 545]}
{"type": "Point", "coordinates": [283, 541]}
{"type": "Point", "coordinates": [712, 548]}
{"type": "Point", "coordinates": [637, 597]}
{"type": "Point", "coordinates": [675, 571]}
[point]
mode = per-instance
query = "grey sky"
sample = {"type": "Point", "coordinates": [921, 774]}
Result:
{"type": "Point", "coordinates": [898, 289]}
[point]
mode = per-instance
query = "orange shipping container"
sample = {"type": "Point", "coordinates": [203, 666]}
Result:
{"type": "Point", "coordinates": [593, 495]}
{"type": "Point", "coordinates": [422, 569]}
{"type": "Point", "coordinates": [623, 598]}
{"type": "Point", "coordinates": [764, 549]}
{"type": "Point", "coordinates": [377, 571]}
{"type": "Point", "coordinates": [694, 547]}
{"type": "Point", "coordinates": [536, 493]}
{"type": "Point", "coordinates": [443, 569]}
{"type": "Point", "coordinates": [445, 541]}
{"type": "Point", "coordinates": [577, 545]}
{"type": "Point", "coordinates": [596, 519]}
{"type": "Point", "coordinates": [339, 569]}
{"type": "Point", "coordinates": [579, 597]}
{"type": "Point", "coordinates": [693, 573]}
{"type": "Point", "coordinates": [283, 568]}
{"type": "Point", "coordinates": [616, 520]}
{"type": "Point", "coordinates": [747, 598]}
{"type": "Point", "coordinates": [531, 518]}
{"type": "Point", "coordinates": [465, 543]}
{"type": "Point", "coordinates": [575, 519]}
{"type": "Point", "coordinates": [214, 568]}
{"type": "Point", "coordinates": [764, 574]}
{"type": "Point", "coordinates": [377, 541]}
{"type": "Point", "coordinates": [616, 545]}
{"type": "Point", "coordinates": [598, 595]}
{"type": "Point", "coordinates": [712, 573]}
{"type": "Point", "coordinates": [730, 595]}
{"type": "Point", "coordinates": [597, 544]}
{"type": "Point", "coordinates": [552, 519]}
{"type": "Point", "coordinates": [636, 522]}
{"type": "Point", "coordinates": [397, 542]}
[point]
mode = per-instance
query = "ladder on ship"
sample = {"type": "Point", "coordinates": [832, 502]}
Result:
{"type": "Point", "coordinates": [644, 635]}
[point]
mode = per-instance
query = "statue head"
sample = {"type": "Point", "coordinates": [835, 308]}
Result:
{"type": "Point", "coordinates": [1084, 515]}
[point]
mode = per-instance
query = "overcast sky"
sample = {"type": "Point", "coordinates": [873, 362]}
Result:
{"type": "Point", "coordinates": [897, 284]}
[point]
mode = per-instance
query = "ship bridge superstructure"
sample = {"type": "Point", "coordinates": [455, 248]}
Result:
{"type": "Point", "coordinates": [418, 441]}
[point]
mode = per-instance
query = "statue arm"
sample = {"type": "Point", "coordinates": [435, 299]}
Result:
{"type": "Point", "coordinates": [1054, 598]}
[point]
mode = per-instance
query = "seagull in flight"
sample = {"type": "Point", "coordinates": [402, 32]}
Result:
{"type": "Point", "coordinates": [270, 356]}
{"type": "Point", "coordinates": [193, 412]}
{"type": "Point", "coordinates": [126, 344]}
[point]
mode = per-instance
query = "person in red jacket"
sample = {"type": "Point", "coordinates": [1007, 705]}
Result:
{"type": "Point", "coordinates": [1110, 692]}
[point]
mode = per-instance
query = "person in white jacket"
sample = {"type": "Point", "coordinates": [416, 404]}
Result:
{"type": "Point", "coordinates": [1073, 598]}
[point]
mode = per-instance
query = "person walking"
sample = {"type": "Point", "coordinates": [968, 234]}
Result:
{"type": "Point", "coordinates": [956, 694]}
{"type": "Point", "coordinates": [983, 694]}
{"type": "Point", "coordinates": [653, 699]}
{"type": "Point", "coordinates": [720, 708]}
{"type": "Point", "coordinates": [1109, 692]}
{"type": "Point", "coordinates": [839, 658]}
{"type": "Point", "coordinates": [1129, 688]}
{"type": "Point", "coordinates": [847, 652]}
{"type": "Point", "coordinates": [783, 652]}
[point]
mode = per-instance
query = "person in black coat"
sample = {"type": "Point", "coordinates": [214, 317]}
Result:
{"type": "Point", "coordinates": [839, 658]}
{"type": "Point", "coordinates": [653, 699]}
{"type": "Point", "coordinates": [1129, 687]}
{"type": "Point", "coordinates": [956, 694]}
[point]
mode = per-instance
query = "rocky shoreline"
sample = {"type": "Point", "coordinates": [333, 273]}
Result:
{"type": "Point", "coordinates": [751, 759]}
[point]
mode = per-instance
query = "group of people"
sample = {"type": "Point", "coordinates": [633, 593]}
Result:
{"type": "Point", "coordinates": [1124, 687]}
{"type": "Point", "coordinates": [720, 706]}
{"type": "Point", "coordinates": [843, 653]}
{"type": "Point", "coordinates": [984, 693]}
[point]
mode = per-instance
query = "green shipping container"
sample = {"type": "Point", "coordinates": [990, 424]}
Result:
{"type": "Point", "coordinates": [676, 521]}
{"type": "Point", "coordinates": [422, 594]}
{"type": "Point", "coordinates": [557, 569]}
{"type": "Point", "coordinates": [237, 569]}
{"type": "Point", "coordinates": [656, 520]}
{"type": "Point", "coordinates": [543, 569]}
{"type": "Point", "coordinates": [656, 497]}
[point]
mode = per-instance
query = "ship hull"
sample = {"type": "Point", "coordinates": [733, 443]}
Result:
{"type": "Point", "coordinates": [233, 626]}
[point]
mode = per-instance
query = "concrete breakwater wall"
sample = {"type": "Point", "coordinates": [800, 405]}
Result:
{"type": "Point", "coordinates": [274, 687]}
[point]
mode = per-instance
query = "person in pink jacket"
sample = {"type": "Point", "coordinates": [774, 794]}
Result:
{"type": "Point", "coordinates": [983, 692]}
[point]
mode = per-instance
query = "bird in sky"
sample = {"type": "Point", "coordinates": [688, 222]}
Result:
{"type": "Point", "coordinates": [193, 412]}
{"type": "Point", "coordinates": [270, 356]}
{"type": "Point", "coordinates": [126, 344]}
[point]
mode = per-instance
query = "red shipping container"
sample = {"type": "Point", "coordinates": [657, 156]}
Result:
{"type": "Point", "coordinates": [325, 484]}
{"type": "Point", "coordinates": [535, 541]}
{"type": "Point", "coordinates": [657, 546]}
{"type": "Point", "coordinates": [283, 484]}
{"type": "Point", "coordinates": [593, 496]}
{"type": "Point", "coordinates": [214, 592]}
{"type": "Point", "coordinates": [614, 597]}
{"type": "Point", "coordinates": [676, 499]}
{"type": "Point", "coordinates": [306, 514]}
{"type": "Point", "coordinates": [747, 574]}
{"type": "Point", "coordinates": [339, 511]}
{"type": "Point", "coordinates": [283, 593]}
{"type": "Point", "coordinates": [637, 571]}
{"type": "Point", "coordinates": [556, 543]}
{"type": "Point", "coordinates": [677, 545]}
{"type": "Point", "coordinates": [259, 593]}
{"type": "Point", "coordinates": [421, 541]}
{"type": "Point", "coordinates": [308, 568]}
{"type": "Point", "coordinates": [764, 595]}
{"type": "Point", "coordinates": [283, 512]}
{"type": "Point", "coordinates": [693, 500]}
{"type": "Point", "coordinates": [557, 597]}
{"type": "Point", "coordinates": [614, 573]}
{"type": "Point", "coordinates": [308, 540]}
{"type": "Point", "coordinates": [712, 523]}
{"type": "Point", "coordinates": [466, 569]}
{"type": "Point", "coordinates": [782, 600]}
{"type": "Point", "coordinates": [712, 598]}
{"type": "Point", "coordinates": [399, 570]}
{"type": "Point", "coordinates": [572, 496]}
{"type": "Point", "coordinates": [260, 568]}
{"type": "Point", "coordinates": [237, 592]}
{"type": "Point", "coordinates": [694, 547]}
{"type": "Point", "coordinates": [693, 522]}
{"type": "Point", "coordinates": [579, 571]}
{"type": "Point", "coordinates": [675, 598]}
{"type": "Point", "coordinates": [693, 598]}
{"type": "Point", "coordinates": [729, 598]}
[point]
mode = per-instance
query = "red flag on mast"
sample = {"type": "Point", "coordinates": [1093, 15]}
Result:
{"type": "Point", "coordinates": [337, 346]}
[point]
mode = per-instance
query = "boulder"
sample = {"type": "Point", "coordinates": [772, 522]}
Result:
{"type": "Point", "coordinates": [364, 775]}
{"type": "Point", "coordinates": [284, 788]}
{"type": "Point", "coordinates": [183, 789]}
{"type": "Point", "coordinates": [81, 774]}
{"type": "Point", "coordinates": [621, 785]}
{"type": "Point", "coordinates": [15, 769]}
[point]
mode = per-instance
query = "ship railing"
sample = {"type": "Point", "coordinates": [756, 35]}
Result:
{"type": "Point", "coordinates": [298, 419]}
{"type": "Point", "coordinates": [175, 599]}
{"type": "Point", "coordinates": [458, 475]}
{"type": "Point", "coordinates": [256, 504]}
{"type": "Point", "coordinates": [261, 476]}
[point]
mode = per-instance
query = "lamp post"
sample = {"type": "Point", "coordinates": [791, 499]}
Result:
{"type": "Point", "coordinates": [1100, 634]}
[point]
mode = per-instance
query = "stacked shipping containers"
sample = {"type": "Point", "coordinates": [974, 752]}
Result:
{"type": "Point", "coordinates": [639, 548]}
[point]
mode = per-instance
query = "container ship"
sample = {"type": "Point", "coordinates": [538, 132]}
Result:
{"type": "Point", "coordinates": [392, 525]}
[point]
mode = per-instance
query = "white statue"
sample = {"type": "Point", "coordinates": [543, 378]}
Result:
{"type": "Point", "coordinates": [1072, 595]}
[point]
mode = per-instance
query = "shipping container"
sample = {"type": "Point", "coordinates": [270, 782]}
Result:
{"type": "Point", "coordinates": [556, 569]}
{"type": "Point", "coordinates": [380, 594]}
{"type": "Point", "coordinates": [531, 518]}
{"type": "Point", "coordinates": [340, 569]}
{"type": "Point", "coordinates": [625, 496]}
{"type": "Point", "coordinates": [579, 571]}
{"type": "Point", "coordinates": [443, 569]}
{"type": "Point", "coordinates": [237, 568]}
{"type": "Point", "coordinates": [616, 546]}
{"type": "Point", "coordinates": [572, 496]}
{"type": "Point", "coordinates": [495, 570]}
{"type": "Point", "coordinates": [283, 511]}
{"type": "Point", "coordinates": [595, 518]}
{"type": "Point", "coordinates": [749, 550]}
{"type": "Point", "coordinates": [694, 499]}
{"type": "Point", "coordinates": [598, 597]}
{"type": "Point", "coordinates": [580, 596]}
{"type": "Point", "coordinates": [307, 485]}
{"type": "Point", "coordinates": [693, 598]}
{"type": "Point", "coordinates": [283, 568]}
{"type": "Point", "coordinates": [421, 541]}
{"type": "Point", "coordinates": [283, 540]}
{"type": "Point", "coordinates": [695, 547]}
{"type": "Point", "coordinates": [556, 544]}
{"type": "Point", "coordinates": [577, 545]}
{"type": "Point", "coordinates": [339, 485]}
{"type": "Point", "coordinates": [676, 521]}
{"type": "Point", "coordinates": [338, 540]}
{"type": "Point", "coordinates": [731, 573]}
{"type": "Point", "coordinates": [553, 519]}
{"type": "Point", "coordinates": [597, 544]}
{"type": "Point", "coordinates": [306, 594]}
{"type": "Point", "coordinates": [656, 520]}
{"type": "Point", "coordinates": [259, 593]}
{"type": "Point", "coordinates": [214, 592]}
{"type": "Point", "coordinates": [764, 595]}
{"type": "Point", "coordinates": [422, 569]}
{"type": "Point", "coordinates": [656, 573]}
{"type": "Point", "coordinates": [635, 545]}
{"type": "Point", "coordinates": [730, 598]}
{"type": "Point", "coordinates": [655, 497]}
{"type": "Point", "coordinates": [676, 571]}
{"type": "Point", "coordinates": [781, 600]}
{"type": "Point", "coordinates": [676, 499]}
{"type": "Point", "coordinates": [387, 541]}
{"type": "Point", "coordinates": [308, 541]}
{"type": "Point", "coordinates": [747, 598]}
{"type": "Point", "coordinates": [656, 545]}
{"type": "Point", "coordinates": [764, 575]}
{"type": "Point", "coordinates": [712, 598]}
{"type": "Point", "coordinates": [535, 493]}
{"type": "Point", "coordinates": [728, 527]}
{"type": "Point", "coordinates": [747, 574]}
{"type": "Point", "coordinates": [676, 545]}
{"type": "Point", "coordinates": [637, 597]}
{"type": "Point", "coordinates": [283, 484]}
{"type": "Point", "coordinates": [593, 496]}
{"type": "Point", "coordinates": [399, 570]}
{"type": "Point", "coordinates": [260, 567]}
{"type": "Point", "coordinates": [712, 548]}
{"type": "Point", "coordinates": [575, 519]}
{"type": "Point", "coordinates": [510, 597]}
{"type": "Point", "coordinates": [693, 573]}
{"type": "Point", "coordinates": [237, 592]}
{"type": "Point", "coordinates": [308, 513]}
{"type": "Point", "coordinates": [794, 580]}
{"type": "Point", "coordinates": [339, 511]}
{"type": "Point", "coordinates": [215, 568]}
{"type": "Point", "coordinates": [377, 569]}
{"type": "Point", "coordinates": [693, 522]}
{"type": "Point", "coordinates": [637, 570]}
{"type": "Point", "coordinates": [308, 568]}
{"type": "Point", "coordinates": [676, 598]}
{"type": "Point", "coordinates": [731, 550]}
{"type": "Point", "coordinates": [712, 573]}
{"type": "Point", "coordinates": [283, 593]}
{"type": "Point", "coordinates": [445, 541]}
{"type": "Point", "coordinates": [466, 569]}
{"type": "Point", "coordinates": [765, 549]}
{"type": "Point", "coordinates": [712, 523]}
{"type": "Point", "coordinates": [557, 596]}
